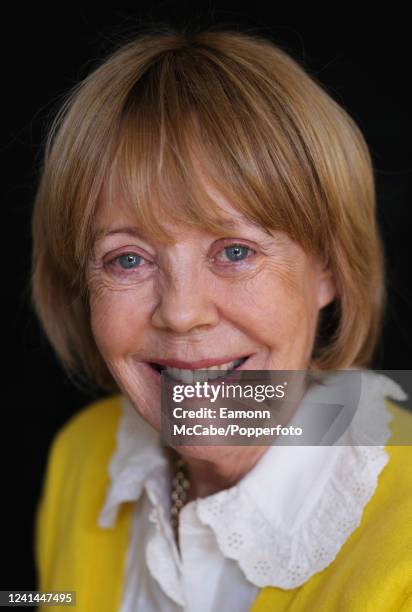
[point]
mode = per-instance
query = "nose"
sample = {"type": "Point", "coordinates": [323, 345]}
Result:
{"type": "Point", "coordinates": [185, 303]}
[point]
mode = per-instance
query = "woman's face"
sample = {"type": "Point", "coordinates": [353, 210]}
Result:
{"type": "Point", "coordinates": [202, 298]}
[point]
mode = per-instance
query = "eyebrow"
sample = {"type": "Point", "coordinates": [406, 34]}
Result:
{"type": "Point", "coordinates": [137, 233]}
{"type": "Point", "coordinates": [129, 230]}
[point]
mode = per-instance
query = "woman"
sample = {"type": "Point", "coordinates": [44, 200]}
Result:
{"type": "Point", "coordinates": [204, 203]}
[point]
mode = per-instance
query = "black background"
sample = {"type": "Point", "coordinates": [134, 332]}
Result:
{"type": "Point", "coordinates": [363, 57]}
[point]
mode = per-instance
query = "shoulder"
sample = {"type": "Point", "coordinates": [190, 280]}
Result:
{"type": "Point", "coordinates": [392, 499]}
{"type": "Point", "coordinates": [80, 451]}
{"type": "Point", "coordinates": [400, 426]}
{"type": "Point", "coordinates": [391, 505]}
{"type": "Point", "coordinates": [382, 545]}
{"type": "Point", "coordinates": [81, 448]}
{"type": "Point", "coordinates": [395, 482]}
{"type": "Point", "coordinates": [97, 419]}
{"type": "Point", "coordinates": [74, 488]}
{"type": "Point", "coordinates": [91, 429]}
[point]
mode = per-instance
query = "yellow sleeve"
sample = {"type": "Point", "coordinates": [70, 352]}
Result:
{"type": "Point", "coordinates": [44, 531]}
{"type": "Point", "coordinates": [72, 553]}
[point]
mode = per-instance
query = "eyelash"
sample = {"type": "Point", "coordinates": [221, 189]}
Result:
{"type": "Point", "coordinates": [111, 262]}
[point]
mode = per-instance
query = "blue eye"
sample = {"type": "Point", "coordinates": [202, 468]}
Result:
{"type": "Point", "coordinates": [237, 252]}
{"type": "Point", "coordinates": [128, 260]}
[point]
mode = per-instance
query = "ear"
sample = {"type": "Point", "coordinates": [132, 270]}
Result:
{"type": "Point", "coordinates": [326, 286]}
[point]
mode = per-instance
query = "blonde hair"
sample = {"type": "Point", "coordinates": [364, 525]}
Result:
{"type": "Point", "coordinates": [269, 139]}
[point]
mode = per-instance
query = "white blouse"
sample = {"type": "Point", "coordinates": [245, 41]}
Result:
{"type": "Point", "coordinates": [284, 521]}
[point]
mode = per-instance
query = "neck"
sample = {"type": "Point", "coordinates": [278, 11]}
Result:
{"type": "Point", "coordinates": [208, 477]}
{"type": "Point", "coordinates": [225, 466]}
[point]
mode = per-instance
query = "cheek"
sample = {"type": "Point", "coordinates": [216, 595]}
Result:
{"type": "Point", "coordinates": [276, 306]}
{"type": "Point", "coordinates": [116, 321]}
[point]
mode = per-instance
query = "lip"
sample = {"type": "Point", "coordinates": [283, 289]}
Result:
{"type": "Point", "coordinates": [157, 375]}
{"type": "Point", "coordinates": [196, 365]}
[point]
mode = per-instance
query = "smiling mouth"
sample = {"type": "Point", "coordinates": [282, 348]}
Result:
{"type": "Point", "coordinates": [201, 374]}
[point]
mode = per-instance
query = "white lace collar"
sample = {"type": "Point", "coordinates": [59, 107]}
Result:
{"type": "Point", "coordinates": [290, 515]}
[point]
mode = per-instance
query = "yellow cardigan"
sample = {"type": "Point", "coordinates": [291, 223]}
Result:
{"type": "Point", "coordinates": [371, 573]}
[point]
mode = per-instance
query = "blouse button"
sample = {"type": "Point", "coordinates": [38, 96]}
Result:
{"type": "Point", "coordinates": [153, 516]}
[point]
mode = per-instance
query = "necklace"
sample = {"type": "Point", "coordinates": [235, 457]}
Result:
{"type": "Point", "coordinates": [179, 491]}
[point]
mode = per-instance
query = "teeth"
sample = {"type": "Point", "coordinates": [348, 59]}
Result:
{"type": "Point", "coordinates": [203, 374]}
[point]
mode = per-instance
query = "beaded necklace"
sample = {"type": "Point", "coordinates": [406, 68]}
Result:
{"type": "Point", "coordinates": [179, 491]}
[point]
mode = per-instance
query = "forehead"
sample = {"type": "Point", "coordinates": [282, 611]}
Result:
{"type": "Point", "coordinates": [117, 212]}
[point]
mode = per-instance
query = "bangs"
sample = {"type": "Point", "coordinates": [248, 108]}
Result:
{"type": "Point", "coordinates": [187, 130]}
